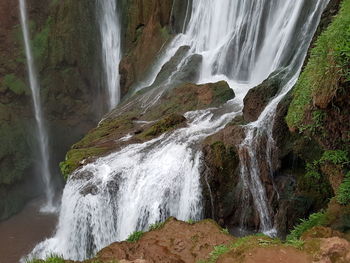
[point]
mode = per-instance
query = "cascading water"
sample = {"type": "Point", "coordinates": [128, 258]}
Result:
{"type": "Point", "coordinates": [42, 137]}
{"type": "Point", "coordinates": [242, 42]}
{"type": "Point", "coordinates": [111, 48]}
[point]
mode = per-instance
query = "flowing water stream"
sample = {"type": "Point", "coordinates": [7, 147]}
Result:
{"type": "Point", "coordinates": [111, 48]}
{"type": "Point", "coordinates": [41, 133]}
{"type": "Point", "coordinates": [242, 42]}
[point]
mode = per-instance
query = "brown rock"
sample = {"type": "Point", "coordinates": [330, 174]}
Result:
{"type": "Point", "coordinates": [176, 241]}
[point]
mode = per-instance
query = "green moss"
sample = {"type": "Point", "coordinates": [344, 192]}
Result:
{"type": "Point", "coordinates": [317, 219]}
{"type": "Point", "coordinates": [328, 67]}
{"type": "Point", "coordinates": [15, 84]}
{"type": "Point", "coordinates": [75, 156]}
{"type": "Point", "coordinates": [166, 124]}
{"type": "Point", "coordinates": [40, 41]}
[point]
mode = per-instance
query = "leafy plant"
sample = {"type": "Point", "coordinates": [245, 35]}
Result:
{"type": "Point", "coordinates": [343, 195]}
{"type": "Point", "coordinates": [134, 237]}
{"type": "Point", "coordinates": [51, 259]}
{"type": "Point", "coordinates": [225, 231]}
{"type": "Point", "coordinates": [316, 219]}
{"type": "Point", "coordinates": [156, 226]}
{"type": "Point", "coordinates": [337, 157]}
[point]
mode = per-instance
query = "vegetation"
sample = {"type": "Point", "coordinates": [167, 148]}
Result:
{"type": "Point", "coordinates": [316, 219]}
{"type": "Point", "coordinates": [216, 253]}
{"type": "Point", "coordinates": [343, 195]}
{"type": "Point", "coordinates": [16, 85]}
{"type": "Point", "coordinates": [156, 226]}
{"type": "Point", "coordinates": [328, 67]}
{"type": "Point", "coordinates": [50, 259]}
{"type": "Point", "coordinates": [134, 237]}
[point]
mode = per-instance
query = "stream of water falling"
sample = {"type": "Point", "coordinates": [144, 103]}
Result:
{"type": "Point", "coordinates": [42, 138]}
{"type": "Point", "coordinates": [242, 42]}
{"type": "Point", "coordinates": [111, 48]}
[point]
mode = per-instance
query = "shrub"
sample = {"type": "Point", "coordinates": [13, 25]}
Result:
{"type": "Point", "coordinates": [134, 237]}
{"type": "Point", "coordinates": [316, 219]}
{"type": "Point", "coordinates": [343, 195]}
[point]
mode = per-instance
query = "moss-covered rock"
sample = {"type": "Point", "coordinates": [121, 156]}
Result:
{"type": "Point", "coordinates": [130, 122]}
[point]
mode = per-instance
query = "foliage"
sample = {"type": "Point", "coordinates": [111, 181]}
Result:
{"type": "Point", "coordinates": [15, 160]}
{"type": "Point", "coordinates": [316, 219]}
{"type": "Point", "coordinates": [225, 231]}
{"type": "Point", "coordinates": [297, 243]}
{"type": "Point", "coordinates": [156, 226]}
{"type": "Point", "coordinates": [328, 67]}
{"type": "Point", "coordinates": [50, 259]}
{"type": "Point", "coordinates": [336, 157]}
{"type": "Point", "coordinates": [134, 237]}
{"type": "Point", "coordinates": [191, 221]}
{"type": "Point", "coordinates": [16, 85]}
{"type": "Point", "coordinates": [343, 195]}
{"type": "Point", "coordinates": [215, 254]}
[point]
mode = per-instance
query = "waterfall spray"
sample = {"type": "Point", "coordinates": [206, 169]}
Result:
{"type": "Point", "coordinates": [111, 48]}
{"type": "Point", "coordinates": [42, 138]}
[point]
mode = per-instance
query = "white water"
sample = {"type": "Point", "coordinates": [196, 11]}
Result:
{"type": "Point", "coordinates": [111, 48]}
{"type": "Point", "coordinates": [242, 42]}
{"type": "Point", "coordinates": [42, 137]}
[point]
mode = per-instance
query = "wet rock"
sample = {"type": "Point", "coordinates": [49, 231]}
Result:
{"type": "Point", "coordinates": [219, 177]}
{"type": "Point", "coordinates": [146, 30]}
{"type": "Point", "coordinates": [257, 98]}
{"type": "Point", "coordinates": [130, 118]}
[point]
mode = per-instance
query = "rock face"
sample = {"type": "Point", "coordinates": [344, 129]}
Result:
{"type": "Point", "coordinates": [176, 241]}
{"type": "Point", "coordinates": [204, 241]}
{"type": "Point", "coordinates": [257, 98]}
{"type": "Point", "coordinates": [131, 119]}
{"type": "Point", "coordinates": [147, 26]}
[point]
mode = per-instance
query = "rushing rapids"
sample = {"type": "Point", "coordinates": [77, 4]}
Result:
{"type": "Point", "coordinates": [41, 134]}
{"type": "Point", "coordinates": [242, 42]}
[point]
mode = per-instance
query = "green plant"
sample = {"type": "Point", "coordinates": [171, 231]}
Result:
{"type": "Point", "coordinates": [51, 259]}
{"type": "Point", "coordinates": [191, 221]}
{"type": "Point", "coordinates": [315, 219]}
{"type": "Point", "coordinates": [297, 243]}
{"type": "Point", "coordinates": [225, 231]}
{"type": "Point", "coordinates": [312, 170]}
{"type": "Point", "coordinates": [343, 195]}
{"type": "Point", "coordinates": [134, 237]}
{"type": "Point", "coordinates": [217, 252]}
{"type": "Point", "coordinates": [16, 85]}
{"type": "Point", "coordinates": [156, 226]}
{"type": "Point", "coordinates": [337, 157]}
{"type": "Point", "coordinates": [327, 69]}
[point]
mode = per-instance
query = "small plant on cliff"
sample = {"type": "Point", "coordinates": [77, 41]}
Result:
{"type": "Point", "coordinates": [216, 253]}
{"type": "Point", "coordinates": [343, 196]}
{"type": "Point", "coordinates": [50, 259]}
{"type": "Point", "coordinates": [156, 226]}
{"type": "Point", "coordinates": [337, 157]}
{"type": "Point", "coordinates": [134, 237]}
{"type": "Point", "coordinates": [316, 219]}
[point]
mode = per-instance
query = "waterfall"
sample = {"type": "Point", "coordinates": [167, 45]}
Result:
{"type": "Point", "coordinates": [42, 138]}
{"type": "Point", "coordinates": [242, 42]}
{"type": "Point", "coordinates": [111, 48]}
